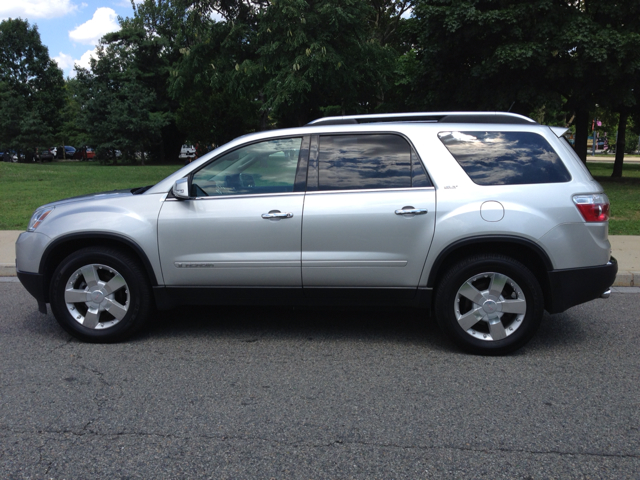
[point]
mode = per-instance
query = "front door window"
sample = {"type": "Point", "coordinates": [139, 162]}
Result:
{"type": "Point", "coordinates": [265, 167]}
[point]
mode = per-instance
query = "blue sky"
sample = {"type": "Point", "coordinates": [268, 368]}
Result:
{"type": "Point", "coordinates": [69, 28]}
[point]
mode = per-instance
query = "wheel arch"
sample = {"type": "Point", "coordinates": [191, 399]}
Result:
{"type": "Point", "coordinates": [525, 251]}
{"type": "Point", "coordinates": [62, 247]}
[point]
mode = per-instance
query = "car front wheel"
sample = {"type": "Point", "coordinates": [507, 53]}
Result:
{"type": "Point", "coordinates": [489, 304]}
{"type": "Point", "coordinates": [100, 295]}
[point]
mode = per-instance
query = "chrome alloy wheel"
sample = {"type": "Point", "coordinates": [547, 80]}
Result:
{"type": "Point", "coordinates": [490, 306]}
{"type": "Point", "coordinates": [97, 296]}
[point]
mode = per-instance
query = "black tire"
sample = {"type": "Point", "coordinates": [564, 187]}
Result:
{"type": "Point", "coordinates": [108, 312]}
{"type": "Point", "coordinates": [473, 325]}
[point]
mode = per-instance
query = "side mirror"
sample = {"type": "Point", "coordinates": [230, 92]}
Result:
{"type": "Point", "coordinates": [181, 188]}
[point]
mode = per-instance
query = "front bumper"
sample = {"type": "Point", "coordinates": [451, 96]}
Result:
{"type": "Point", "coordinates": [574, 286]}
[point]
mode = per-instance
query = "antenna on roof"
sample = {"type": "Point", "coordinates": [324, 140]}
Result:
{"type": "Point", "coordinates": [514, 102]}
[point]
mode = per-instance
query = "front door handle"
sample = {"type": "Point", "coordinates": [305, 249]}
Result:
{"type": "Point", "coordinates": [411, 211]}
{"type": "Point", "coordinates": [275, 214]}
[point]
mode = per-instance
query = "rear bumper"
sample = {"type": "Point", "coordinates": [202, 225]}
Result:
{"type": "Point", "coordinates": [574, 286]}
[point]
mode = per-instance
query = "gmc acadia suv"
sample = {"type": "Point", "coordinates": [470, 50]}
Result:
{"type": "Point", "coordinates": [486, 219]}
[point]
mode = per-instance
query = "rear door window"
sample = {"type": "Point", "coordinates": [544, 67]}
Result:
{"type": "Point", "coordinates": [505, 158]}
{"type": "Point", "coordinates": [359, 162]}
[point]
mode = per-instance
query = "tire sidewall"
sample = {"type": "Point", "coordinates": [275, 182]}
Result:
{"type": "Point", "coordinates": [139, 296]}
{"type": "Point", "coordinates": [466, 269]}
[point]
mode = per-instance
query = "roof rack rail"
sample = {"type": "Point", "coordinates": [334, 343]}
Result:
{"type": "Point", "coordinates": [427, 117]}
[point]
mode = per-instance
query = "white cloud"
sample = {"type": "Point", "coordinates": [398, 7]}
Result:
{"type": "Point", "coordinates": [64, 61]}
{"type": "Point", "coordinates": [85, 58]}
{"type": "Point", "coordinates": [36, 8]}
{"type": "Point", "coordinates": [104, 20]}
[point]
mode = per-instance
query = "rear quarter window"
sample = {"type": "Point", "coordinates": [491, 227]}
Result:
{"type": "Point", "coordinates": [505, 158]}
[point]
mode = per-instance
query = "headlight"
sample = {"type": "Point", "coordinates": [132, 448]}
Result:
{"type": "Point", "coordinates": [38, 217]}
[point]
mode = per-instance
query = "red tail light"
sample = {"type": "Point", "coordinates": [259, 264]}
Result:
{"type": "Point", "coordinates": [594, 208]}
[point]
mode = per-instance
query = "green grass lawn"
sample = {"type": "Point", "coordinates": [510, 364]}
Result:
{"type": "Point", "coordinates": [24, 187]}
{"type": "Point", "coordinates": [624, 194]}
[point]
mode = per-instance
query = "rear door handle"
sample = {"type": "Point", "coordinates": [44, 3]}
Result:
{"type": "Point", "coordinates": [276, 214]}
{"type": "Point", "coordinates": [411, 211]}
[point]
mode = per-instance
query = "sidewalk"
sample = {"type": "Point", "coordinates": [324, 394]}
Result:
{"type": "Point", "coordinates": [626, 249]}
{"type": "Point", "coordinates": [600, 158]}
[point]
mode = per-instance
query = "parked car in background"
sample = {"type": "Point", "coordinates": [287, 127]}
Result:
{"type": "Point", "coordinates": [58, 152]}
{"type": "Point", "coordinates": [84, 153]}
{"type": "Point", "coordinates": [15, 156]}
{"type": "Point", "coordinates": [187, 151]}
{"type": "Point", "coordinates": [45, 155]}
{"type": "Point", "coordinates": [485, 219]}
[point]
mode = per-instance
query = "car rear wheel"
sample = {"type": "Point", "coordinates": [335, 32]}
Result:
{"type": "Point", "coordinates": [489, 304]}
{"type": "Point", "coordinates": [100, 295]}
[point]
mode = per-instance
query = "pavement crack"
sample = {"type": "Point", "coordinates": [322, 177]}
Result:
{"type": "Point", "coordinates": [338, 443]}
{"type": "Point", "coordinates": [62, 345]}
{"type": "Point", "coordinates": [48, 469]}
{"type": "Point", "coordinates": [488, 450]}
{"type": "Point", "coordinates": [96, 372]}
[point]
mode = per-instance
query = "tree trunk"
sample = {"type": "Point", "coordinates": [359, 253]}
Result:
{"type": "Point", "coordinates": [620, 145]}
{"type": "Point", "coordinates": [582, 126]}
{"type": "Point", "coordinates": [263, 113]}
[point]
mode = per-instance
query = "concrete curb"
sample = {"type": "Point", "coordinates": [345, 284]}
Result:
{"type": "Point", "coordinates": [9, 270]}
{"type": "Point", "coordinates": [627, 279]}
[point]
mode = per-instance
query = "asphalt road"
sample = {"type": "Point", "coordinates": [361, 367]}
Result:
{"type": "Point", "coordinates": [318, 393]}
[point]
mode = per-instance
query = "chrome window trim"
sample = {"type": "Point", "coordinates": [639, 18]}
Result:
{"type": "Point", "coordinates": [371, 190]}
{"type": "Point", "coordinates": [249, 195]}
{"type": "Point", "coordinates": [321, 192]}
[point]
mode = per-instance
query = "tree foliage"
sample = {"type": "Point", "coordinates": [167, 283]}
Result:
{"type": "Point", "coordinates": [207, 71]}
{"type": "Point", "coordinates": [31, 88]}
{"type": "Point", "coordinates": [524, 54]}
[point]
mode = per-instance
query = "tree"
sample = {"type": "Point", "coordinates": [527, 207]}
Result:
{"type": "Point", "coordinates": [31, 88]}
{"type": "Point", "coordinates": [214, 106]}
{"type": "Point", "coordinates": [118, 106]}
{"type": "Point", "coordinates": [317, 54]}
{"type": "Point", "coordinates": [619, 28]}
{"type": "Point", "coordinates": [525, 54]}
{"type": "Point", "coordinates": [295, 59]}
{"type": "Point", "coordinates": [75, 130]}
{"type": "Point", "coordinates": [149, 41]}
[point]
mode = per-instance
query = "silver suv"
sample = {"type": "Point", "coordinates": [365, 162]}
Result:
{"type": "Point", "coordinates": [486, 219]}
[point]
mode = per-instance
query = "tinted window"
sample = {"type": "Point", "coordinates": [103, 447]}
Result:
{"type": "Point", "coordinates": [418, 175]}
{"type": "Point", "coordinates": [265, 167]}
{"type": "Point", "coordinates": [505, 158]}
{"type": "Point", "coordinates": [350, 162]}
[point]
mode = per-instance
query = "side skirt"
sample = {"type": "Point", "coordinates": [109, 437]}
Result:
{"type": "Point", "coordinates": [170, 297]}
